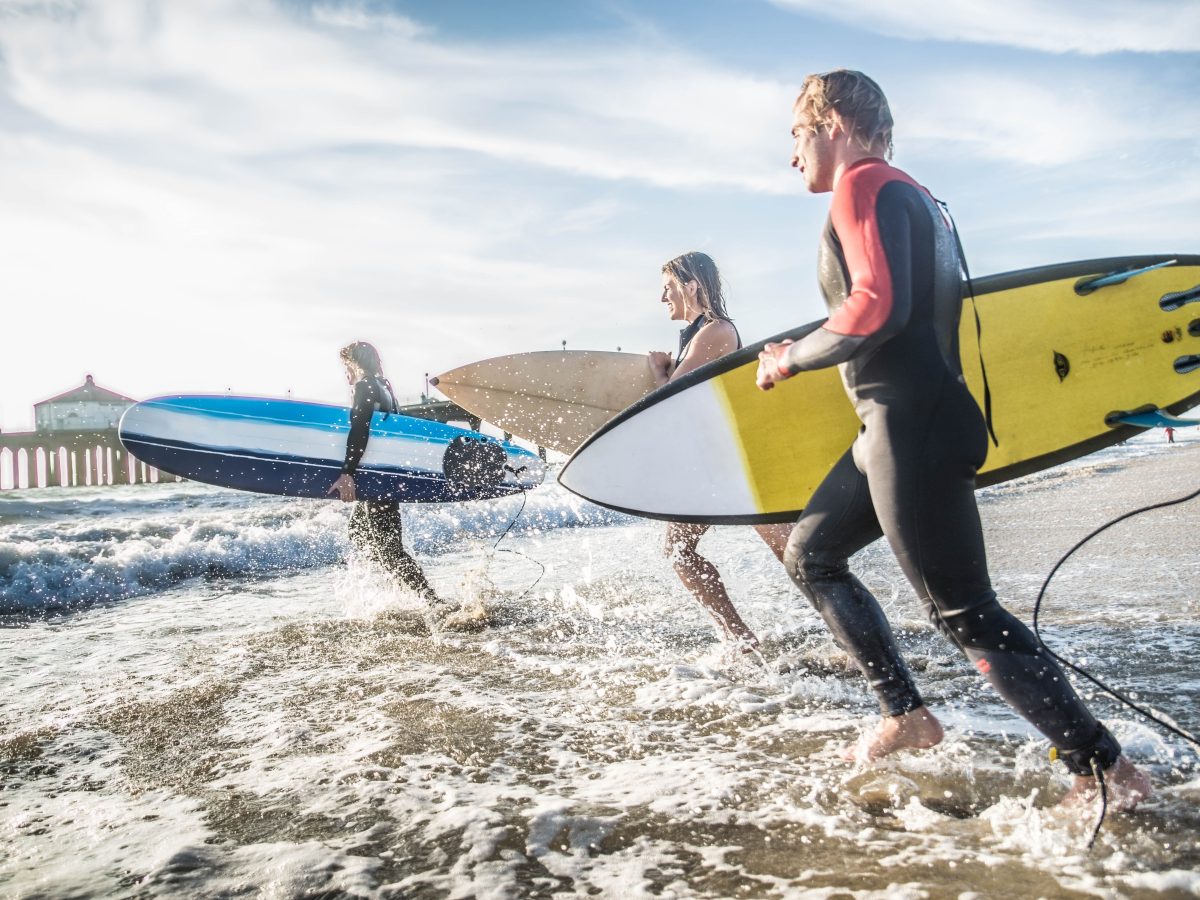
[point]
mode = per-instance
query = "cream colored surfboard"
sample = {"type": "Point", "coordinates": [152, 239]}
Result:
{"type": "Point", "coordinates": [554, 398]}
{"type": "Point", "coordinates": [1066, 347]}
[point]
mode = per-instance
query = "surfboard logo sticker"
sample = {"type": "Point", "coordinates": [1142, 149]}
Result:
{"type": "Point", "coordinates": [1062, 366]}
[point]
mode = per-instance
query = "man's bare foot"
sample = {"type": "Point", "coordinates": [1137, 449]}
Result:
{"type": "Point", "coordinates": [915, 730]}
{"type": "Point", "coordinates": [1127, 787]}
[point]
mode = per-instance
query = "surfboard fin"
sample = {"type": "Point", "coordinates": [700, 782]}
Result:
{"type": "Point", "coordinates": [1176, 299]}
{"type": "Point", "coordinates": [1085, 286]}
{"type": "Point", "coordinates": [1154, 418]}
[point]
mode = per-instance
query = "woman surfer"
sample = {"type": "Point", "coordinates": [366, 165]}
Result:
{"type": "Point", "coordinates": [693, 293]}
{"type": "Point", "coordinates": [375, 525]}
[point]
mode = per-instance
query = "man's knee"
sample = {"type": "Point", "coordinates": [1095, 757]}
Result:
{"type": "Point", "coordinates": [808, 568]}
{"type": "Point", "coordinates": [983, 625]}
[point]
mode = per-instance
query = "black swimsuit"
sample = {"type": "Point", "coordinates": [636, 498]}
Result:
{"type": "Point", "coordinates": [890, 273]}
{"type": "Point", "coordinates": [687, 335]}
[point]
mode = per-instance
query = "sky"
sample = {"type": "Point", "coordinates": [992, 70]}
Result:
{"type": "Point", "coordinates": [205, 196]}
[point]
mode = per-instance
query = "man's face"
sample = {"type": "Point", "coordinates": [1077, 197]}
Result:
{"type": "Point", "coordinates": [812, 154]}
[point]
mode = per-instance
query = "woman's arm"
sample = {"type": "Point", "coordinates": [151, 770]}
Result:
{"type": "Point", "coordinates": [660, 366]}
{"type": "Point", "coordinates": [361, 412]}
{"type": "Point", "coordinates": [712, 341]}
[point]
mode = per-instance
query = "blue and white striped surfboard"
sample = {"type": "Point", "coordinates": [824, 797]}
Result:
{"type": "Point", "coordinates": [296, 449]}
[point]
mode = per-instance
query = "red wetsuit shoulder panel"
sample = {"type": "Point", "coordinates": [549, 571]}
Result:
{"type": "Point", "coordinates": [855, 220]}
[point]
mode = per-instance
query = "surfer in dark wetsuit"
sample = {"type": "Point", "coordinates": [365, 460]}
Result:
{"type": "Point", "coordinates": [375, 525]}
{"type": "Point", "coordinates": [693, 294]}
{"type": "Point", "coordinates": [891, 276]}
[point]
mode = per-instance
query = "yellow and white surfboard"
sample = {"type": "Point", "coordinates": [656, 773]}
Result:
{"type": "Point", "coordinates": [1066, 348]}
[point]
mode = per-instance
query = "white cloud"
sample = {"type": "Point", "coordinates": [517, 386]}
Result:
{"type": "Point", "coordinates": [240, 77]}
{"type": "Point", "coordinates": [217, 188]}
{"type": "Point", "coordinates": [1016, 119]}
{"type": "Point", "coordinates": [364, 18]}
{"type": "Point", "coordinates": [217, 193]}
{"type": "Point", "coordinates": [1061, 26]}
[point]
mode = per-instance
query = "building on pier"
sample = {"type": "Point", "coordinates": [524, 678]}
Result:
{"type": "Point", "coordinates": [74, 443]}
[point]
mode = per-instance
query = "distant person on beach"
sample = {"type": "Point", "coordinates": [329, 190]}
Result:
{"type": "Point", "coordinates": [891, 274]}
{"type": "Point", "coordinates": [375, 525]}
{"type": "Point", "coordinates": [693, 294]}
{"type": "Point", "coordinates": [1170, 434]}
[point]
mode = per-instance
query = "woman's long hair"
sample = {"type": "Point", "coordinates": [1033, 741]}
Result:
{"type": "Point", "coordinates": [699, 267]}
{"type": "Point", "coordinates": [366, 357]}
{"type": "Point", "coordinates": [363, 355]}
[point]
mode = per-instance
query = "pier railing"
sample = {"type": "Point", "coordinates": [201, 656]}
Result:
{"type": "Point", "coordinates": [35, 459]}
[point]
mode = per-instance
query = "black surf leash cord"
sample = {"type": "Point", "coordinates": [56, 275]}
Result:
{"type": "Point", "coordinates": [970, 286]}
{"type": "Point", "coordinates": [1098, 774]}
{"type": "Point", "coordinates": [497, 549]}
{"type": "Point", "coordinates": [1037, 606]}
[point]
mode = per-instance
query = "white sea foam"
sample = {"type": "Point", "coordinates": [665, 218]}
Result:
{"type": "Point", "coordinates": [298, 727]}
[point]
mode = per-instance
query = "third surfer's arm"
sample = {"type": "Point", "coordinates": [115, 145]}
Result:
{"type": "Point", "coordinates": [360, 426]}
{"type": "Point", "coordinates": [356, 441]}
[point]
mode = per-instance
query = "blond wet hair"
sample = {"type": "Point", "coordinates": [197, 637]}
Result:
{"type": "Point", "coordinates": [856, 99]}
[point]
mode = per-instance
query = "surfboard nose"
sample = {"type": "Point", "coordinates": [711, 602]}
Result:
{"type": "Point", "coordinates": [662, 461]}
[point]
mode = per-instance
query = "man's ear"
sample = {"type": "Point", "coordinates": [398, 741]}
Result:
{"type": "Point", "coordinates": [835, 127]}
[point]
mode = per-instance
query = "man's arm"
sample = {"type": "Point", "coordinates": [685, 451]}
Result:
{"type": "Point", "coordinates": [873, 230]}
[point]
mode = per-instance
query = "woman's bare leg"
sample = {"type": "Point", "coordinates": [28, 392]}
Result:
{"type": "Point", "coordinates": [704, 581]}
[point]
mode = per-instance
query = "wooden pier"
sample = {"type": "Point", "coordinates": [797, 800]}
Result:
{"type": "Point", "coordinates": [93, 457]}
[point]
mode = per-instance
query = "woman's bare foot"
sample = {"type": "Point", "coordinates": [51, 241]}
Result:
{"type": "Point", "coordinates": [915, 730]}
{"type": "Point", "coordinates": [1127, 787]}
{"type": "Point", "coordinates": [745, 643]}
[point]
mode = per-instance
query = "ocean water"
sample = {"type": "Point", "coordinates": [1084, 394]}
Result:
{"type": "Point", "coordinates": [205, 695]}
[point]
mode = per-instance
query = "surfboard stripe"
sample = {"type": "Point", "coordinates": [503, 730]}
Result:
{"type": "Point", "coordinates": [290, 413]}
{"type": "Point", "coordinates": [276, 436]}
{"type": "Point", "coordinates": [149, 445]}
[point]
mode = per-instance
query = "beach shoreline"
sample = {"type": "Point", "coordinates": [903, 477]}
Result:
{"type": "Point", "coordinates": [255, 716]}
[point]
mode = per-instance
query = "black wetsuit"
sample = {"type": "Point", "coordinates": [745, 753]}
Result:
{"type": "Point", "coordinates": [375, 525]}
{"type": "Point", "coordinates": [890, 273]}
